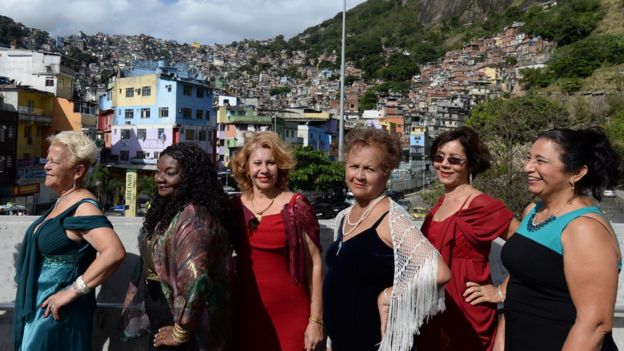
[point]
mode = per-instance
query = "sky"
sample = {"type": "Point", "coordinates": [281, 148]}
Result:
{"type": "Point", "coordinates": [186, 21]}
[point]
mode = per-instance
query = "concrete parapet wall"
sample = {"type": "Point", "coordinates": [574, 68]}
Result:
{"type": "Point", "coordinates": [108, 318]}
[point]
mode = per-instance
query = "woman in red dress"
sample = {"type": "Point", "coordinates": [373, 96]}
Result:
{"type": "Point", "coordinates": [278, 258]}
{"type": "Point", "coordinates": [462, 226]}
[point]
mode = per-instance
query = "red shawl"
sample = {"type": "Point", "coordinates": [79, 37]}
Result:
{"type": "Point", "coordinates": [483, 221]}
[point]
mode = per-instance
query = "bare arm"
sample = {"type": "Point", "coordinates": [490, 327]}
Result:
{"type": "Point", "coordinates": [314, 274]}
{"type": "Point", "coordinates": [110, 255]}
{"type": "Point", "coordinates": [590, 266]}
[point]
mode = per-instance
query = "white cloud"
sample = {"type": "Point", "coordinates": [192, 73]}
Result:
{"type": "Point", "coordinates": [205, 21]}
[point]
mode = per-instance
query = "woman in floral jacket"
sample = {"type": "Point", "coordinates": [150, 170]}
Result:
{"type": "Point", "coordinates": [186, 257]}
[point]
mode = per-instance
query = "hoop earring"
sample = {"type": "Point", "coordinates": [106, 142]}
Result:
{"type": "Point", "coordinates": [571, 184]}
{"type": "Point", "coordinates": [470, 178]}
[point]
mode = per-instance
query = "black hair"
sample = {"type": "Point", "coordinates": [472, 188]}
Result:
{"type": "Point", "coordinates": [589, 147]}
{"type": "Point", "coordinates": [200, 186]}
{"type": "Point", "coordinates": [477, 153]}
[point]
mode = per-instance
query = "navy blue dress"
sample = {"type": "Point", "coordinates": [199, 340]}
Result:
{"type": "Point", "coordinates": [539, 311]}
{"type": "Point", "coordinates": [357, 272]}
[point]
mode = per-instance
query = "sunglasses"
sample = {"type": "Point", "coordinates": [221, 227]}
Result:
{"type": "Point", "coordinates": [453, 160]}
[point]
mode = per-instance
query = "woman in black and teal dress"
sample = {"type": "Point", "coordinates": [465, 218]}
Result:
{"type": "Point", "coordinates": [564, 258]}
{"type": "Point", "coordinates": [65, 254]}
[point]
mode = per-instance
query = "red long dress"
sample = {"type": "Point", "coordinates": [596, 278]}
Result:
{"type": "Point", "coordinates": [464, 240]}
{"type": "Point", "coordinates": [275, 311]}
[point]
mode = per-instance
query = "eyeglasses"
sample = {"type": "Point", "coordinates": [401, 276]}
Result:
{"type": "Point", "coordinates": [453, 160]}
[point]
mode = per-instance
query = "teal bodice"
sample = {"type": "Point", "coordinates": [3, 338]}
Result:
{"type": "Point", "coordinates": [48, 262]}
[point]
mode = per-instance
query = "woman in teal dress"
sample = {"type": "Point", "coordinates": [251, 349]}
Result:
{"type": "Point", "coordinates": [65, 254]}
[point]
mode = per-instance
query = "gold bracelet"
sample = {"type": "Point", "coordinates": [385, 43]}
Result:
{"type": "Point", "coordinates": [316, 320]}
{"type": "Point", "coordinates": [179, 334]}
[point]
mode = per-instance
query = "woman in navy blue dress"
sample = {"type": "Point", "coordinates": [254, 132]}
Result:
{"type": "Point", "coordinates": [564, 258]}
{"type": "Point", "coordinates": [383, 276]}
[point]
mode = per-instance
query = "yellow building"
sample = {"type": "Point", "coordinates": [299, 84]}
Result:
{"type": "Point", "coordinates": [133, 91]}
{"type": "Point", "coordinates": [35, 119]}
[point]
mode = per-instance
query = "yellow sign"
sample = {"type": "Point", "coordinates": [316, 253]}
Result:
{"type": "Point", "coordinates": [131, 192]}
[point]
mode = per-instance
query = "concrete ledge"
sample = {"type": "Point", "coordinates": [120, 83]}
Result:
{"type": "Point", "coordinates": [107, 322]}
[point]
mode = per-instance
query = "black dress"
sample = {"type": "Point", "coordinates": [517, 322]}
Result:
{"type": "Point", "coordinates": [539, 312]}
{"type": "Point", "coordinates": [357, 272]}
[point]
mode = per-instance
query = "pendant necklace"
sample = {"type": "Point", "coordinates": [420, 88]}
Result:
{"type": "Point", "coordinates": [367, 211]}
{"type": "Point", "coordinates": [259, 214]}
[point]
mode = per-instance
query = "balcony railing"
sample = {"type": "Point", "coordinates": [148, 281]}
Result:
{"type": "Point", "coordinates": [33, 115]}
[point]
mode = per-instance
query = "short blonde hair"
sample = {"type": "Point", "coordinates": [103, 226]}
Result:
{"type": "Point", "coordinates": [271, 141]}
{"type": "Point", "coordinates": [82, 150]}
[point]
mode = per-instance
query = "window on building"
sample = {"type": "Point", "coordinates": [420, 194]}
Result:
{"type": "Point", "coordinates": [141, 134]}
{"type": "Point", "coordinates": [140, 155]}
{"type": "Point", "coordinates": [129, 113]}
{"type": "Point", "coordinates": [163, 112]}
{"type": "Point", "coordinates": [190, 134]}
{"type": "Point", "coordinates": [156, 155]}
{"type": "Point", "coordinates": [187, 90]}
{"type": "Point", "coordinates": [146, 91]}
{"type": "Point", "coordinates": [27, 132]}
{"type": "Point", "coordinates": [119, 112]}
{"type": "Point", "coordinates": [161, 133]}
{"type": "Point", "coordinates": [125, 134]}
{"type": "Point", "coordinates": [145, 113]}
{"type": "Point", "coordinates": [199, 114]}
{"type": "Point", "coordinates": [109, 95]}
{"type": "Point", "coordinates": [200, 92]}
{"type": "Point", "coordinates": [187, 113]}
{"type": "Point", "coordinates": [202, 135]}
{"type": "Point", "coordinates": [168, 86]}
{"type": "Point", "coordinates": [124, 155]}
{"type": "Point", "coordinates": [129, 92]}
{"type": "Point", "coordinates": [49, 82]}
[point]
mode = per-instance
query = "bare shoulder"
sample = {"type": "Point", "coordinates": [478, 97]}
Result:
{"type": "Point", "coordinates": [589, 231]}
{"type": "Point", "coordinates": [88, 208]}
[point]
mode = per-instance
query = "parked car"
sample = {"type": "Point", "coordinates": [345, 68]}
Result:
{"type": "Point", "coordinates": [395, 195]}
{"type": "Point", "coordinates": [608, 193]}
{"type": "Point", "coordinates": [406, 204]}
{"type": "Point", "coordinates": [419, 213]}
{"type": "Point", "coordinates": [13, 210]}
{"type": "Point", "coordinates": [325, 210]}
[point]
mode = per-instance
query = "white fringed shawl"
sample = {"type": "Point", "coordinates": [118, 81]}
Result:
{"type": "Point", "coordinates": [415, 295]}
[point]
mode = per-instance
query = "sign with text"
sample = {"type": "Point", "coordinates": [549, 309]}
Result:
{"type": "Point", "coordinates": [131, 191]}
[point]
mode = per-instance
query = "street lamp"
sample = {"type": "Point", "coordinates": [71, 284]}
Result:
{"type": "Point", "coordinates": [342, 73]}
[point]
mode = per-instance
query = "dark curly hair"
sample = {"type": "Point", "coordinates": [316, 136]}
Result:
{"type": "Point", "coordinates": [587, 147]}
{"type": "Point", "coordinates": [199, 186]}
{"type": "Point", "coordinates": [477, 153]}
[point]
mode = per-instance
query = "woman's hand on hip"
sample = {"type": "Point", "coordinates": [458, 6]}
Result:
{"type": "Point", "coordinates": [56, 301]}
{"type": "Point", "coordinates": [476, 294]}
{"type": "Point", "coordinates": [313, 336]}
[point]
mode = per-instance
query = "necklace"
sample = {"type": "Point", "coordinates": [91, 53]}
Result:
{"type": "Point", "coordinates": [365, 214]}
{"type": "Point", "coordinates": [532, 225]}
{"type": "Point", "coordinates": [259, 213]}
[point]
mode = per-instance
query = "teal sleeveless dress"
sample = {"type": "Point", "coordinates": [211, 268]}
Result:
{"type": "Point", "coordinates": [49, 262]}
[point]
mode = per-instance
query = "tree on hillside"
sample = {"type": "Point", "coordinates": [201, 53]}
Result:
{"type": "Point", "coordinates": [314, 171]}
{"type": "Point", "coordinates": [508, 127]}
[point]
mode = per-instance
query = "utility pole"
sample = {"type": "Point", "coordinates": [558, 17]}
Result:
{"type": "Point", "coordinates": [342, 80]}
